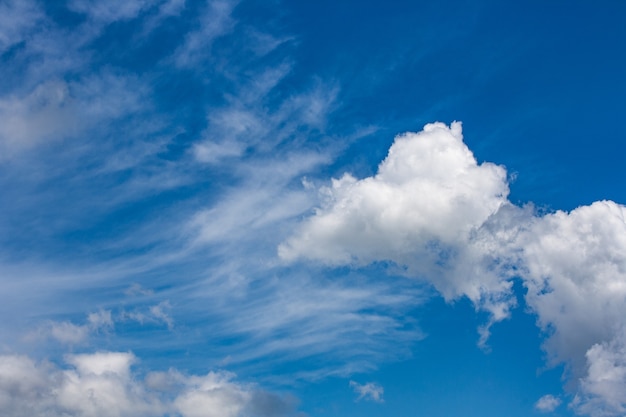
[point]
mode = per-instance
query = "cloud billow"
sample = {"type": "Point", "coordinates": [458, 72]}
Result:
{"type": "Point", "coordinates": [443, 218]}
{"type": "Point", "coordinates": [104, 384]}
{"type": "Point", "coordinates": [422, 211]}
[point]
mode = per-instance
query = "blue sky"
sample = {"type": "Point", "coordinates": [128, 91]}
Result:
{"type": "Point", "coordinates": [245, 208]}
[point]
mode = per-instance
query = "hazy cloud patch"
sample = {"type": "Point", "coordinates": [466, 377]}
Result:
{"type": "Point", "coordinates": [370, 391]}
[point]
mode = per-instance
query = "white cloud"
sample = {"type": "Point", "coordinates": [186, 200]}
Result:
{"type": "Point", "coordinates": [214, 152]}
{"type": "Point", "coordinates": [96, 385]}
{"type": "Point", "coordinates": [215, 22]}
{"type": "Point", "coordinates": [100, 319]}
{"type": "Point", "coordinates": [17, 19]}
{"type": "Point", "coordinates": [290, 317]}
{"type": "Point", "coordinates": [442, 217]}
{"type": "Point", "coordinates": [420, 210]}
{"type": "Point", "coordinates": [603, 389]}
{"type": "Point", "coordinates": [212, 396]}
{"type": "Point", "coordinates": [370, 391]}
{"type": "Point", "coordinates": [297, 319]}
{"type": "Point", "coordinates": [258, 203]}
{"type": "Point", "coordinates": [24, 386]}
{"type": "Point", "coordinates": [575, 272]}
{"type": "Point", "coordinates": [431, 209]}
{"type": "Point", "coordinates": [429, 189]}
{"type": "Point", "coordinates": [161, 313]}
{"type": "Point", "coordinates": [158, 313]}
{"type": "Point", "coordinates": [547, 403]}
{"type": "Point", "coordinates": [69, 333]}
{"type": "Point", "coordinates": [248, 122]}
{"type": "Point", "coordinates": [101, 363]}
{"type": "Point", "coordinates": [103, 384]}
{"type": "Point", "coordinates": [69, 188]}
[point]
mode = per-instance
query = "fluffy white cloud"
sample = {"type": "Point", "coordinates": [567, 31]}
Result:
{"type": "Point", "coordinates": [575, 272]}
{"type": "Point", "coordinates": [212, 396]}
{"type": "Point", "coordinates": [370, 391]}
{"type": "Point", "coordinates": [603, 389]}
{"type": "Point", "coordinates": [421, 211]}
{"type": "Point", "coordinates": [96, 385]}
{"type": "Point", "coordinates": [23, 386]}
{"type": "Point", "coordinates": [547, 403]}
{"type": "Point", "coordinates": [103, 385]}
{"type": "Point", "coordinates": [444, 218]}
{"type": "Point", "coordinates": [429, 193]}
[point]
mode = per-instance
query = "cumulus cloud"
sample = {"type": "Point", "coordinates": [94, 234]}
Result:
{"type": "Point", "coordinates": [574, 266]}
{"type": "Point", "coordinates": [421, 211]}
{"type": "Point", "coordinates": [429, 189]}
{"type": "Point", "coordinates": [441, 217]}
{"type": "Point", "coordinates": [104, 384]}
{"type": "Point", "coordinates": [432, 210]}
{"type": "Point", "coordinates": [370, 391]}
{"type": "Point", "coordinates": [603, 389]}
{"type": "Point", "coordinates": [99, 384]}
{"type": "Point", "coordinates": [575, 272]}
{"type": "Point", "coordinates": [547, 403]}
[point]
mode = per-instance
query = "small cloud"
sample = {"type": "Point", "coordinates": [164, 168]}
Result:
{"type": "Point", "coordinates": [225, 361]}
{"type": "Point", "coordinates": [370, 391]}
{"type": "Point", "coordinates": [160, 313]}
{"type": "Point", "coordinates": [101, 319]}
{"type": "Point", "coordinates": [137, 290]}
{"type": "Point", "coordinates": [69, 333]}
{"type": "Point", "coordinates": [547, 403]}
